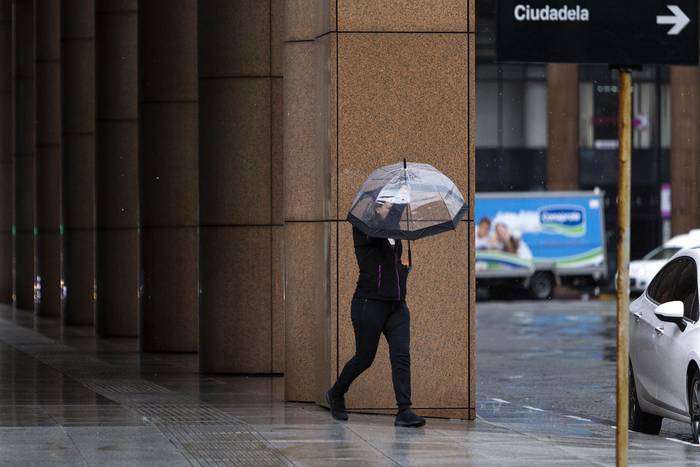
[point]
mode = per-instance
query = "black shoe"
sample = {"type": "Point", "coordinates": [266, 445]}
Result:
{"type": "Point", "coordinates": [409, 418]}
{"type": "Point", "coordinates": [337, 406]}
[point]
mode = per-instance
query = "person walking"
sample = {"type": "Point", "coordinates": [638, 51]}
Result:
{"type": "Point", "coordinates": [379, 307]}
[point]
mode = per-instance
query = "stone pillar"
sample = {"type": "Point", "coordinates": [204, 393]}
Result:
{"type": "Point", "coordinates": [685, 149]}
{"type": "Point", "coordinates": [367, 85]}
{"type": "Point", "coordinates": [118, 295]}
{"type": "Point", "coordinates": [6, 162]}
{"type": "Point", "coordinates": [563, 145]}
{"type": "Point", "coordinates": [240, 163]}
{"type": "Point", "coordinates": [169, 175]}
{"type": "Point", "coordinates": [48, 153]}
{"type": "Point", "coordinates": [24, 29]}
{"type": "Point", "coordinates": [308, 218]}
{"type": "Point", "coordinates": [78, 145]}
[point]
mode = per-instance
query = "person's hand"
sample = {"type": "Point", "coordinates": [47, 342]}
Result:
{"type": "Point", "coordinates": [403, 194]}
{"type": "Point", "coordinates": [383, 209]}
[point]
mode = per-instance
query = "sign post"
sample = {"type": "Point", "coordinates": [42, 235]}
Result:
{"type": "Point", "coordinates": [623, 259]}
{"type": "Point", "coordinates": [624, 34]}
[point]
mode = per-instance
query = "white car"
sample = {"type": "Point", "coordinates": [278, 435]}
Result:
{"type": "Point", "coordinates": [665, 348]}
{"type": "Point", "coordinates": [642, 271]}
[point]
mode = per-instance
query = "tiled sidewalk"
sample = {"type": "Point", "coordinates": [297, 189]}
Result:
{"type": "Point", "coordinates": [67, 398]}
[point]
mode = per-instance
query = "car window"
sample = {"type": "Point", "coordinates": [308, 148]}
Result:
{"type": "Point", "coordinates": [661, 253]}
{"type": "Point", "coordinates": [686, 289]}
{"type": "Point", "coordinates": [662, 286]}
{"type": "Point", "coordinates": [677, 281]}
{"type": "Point", "coordinates": [694, 311]}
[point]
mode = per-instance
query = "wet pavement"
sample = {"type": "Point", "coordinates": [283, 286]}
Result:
{"type": "Point", "coordinates": [67, 398]}
{"type": "Point", "coordinates": [555, 355]}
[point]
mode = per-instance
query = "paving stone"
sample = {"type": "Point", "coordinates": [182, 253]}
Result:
{"type": "Point", "coordinates": [69, 398]}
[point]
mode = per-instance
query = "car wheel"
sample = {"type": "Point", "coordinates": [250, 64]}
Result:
{"type": "Point", "coordinates": [638, 419]}
{"type": "Point", "coordinates": [542, 286]}
{"type": "Point", "coordinates": [695, 407]}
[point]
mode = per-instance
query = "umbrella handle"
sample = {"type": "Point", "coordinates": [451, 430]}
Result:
{"type": "Point", "coordinates": [408, 220]}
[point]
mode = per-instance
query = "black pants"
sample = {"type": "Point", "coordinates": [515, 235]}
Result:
{"type": "Point", "coordinates": [371, 318]}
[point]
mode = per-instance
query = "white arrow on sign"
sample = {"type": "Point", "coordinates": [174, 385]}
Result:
{"type": "Point", "coordinates": [679, 20]}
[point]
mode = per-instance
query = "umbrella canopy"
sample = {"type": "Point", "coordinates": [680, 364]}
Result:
{"type": "Point", "coordinates": [407, 201]}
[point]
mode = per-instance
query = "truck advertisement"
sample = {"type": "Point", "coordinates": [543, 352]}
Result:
{"type": "Point", "coordinates": [518, 235]}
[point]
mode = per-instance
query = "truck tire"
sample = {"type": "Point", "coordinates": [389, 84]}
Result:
{"type": "Point", "coordinates": [541, 286]}
{"type": "Point", "coordinates": [482, 293]}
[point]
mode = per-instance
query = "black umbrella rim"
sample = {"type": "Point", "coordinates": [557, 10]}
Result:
{"type": "Point", "coordinates": [409, 235]}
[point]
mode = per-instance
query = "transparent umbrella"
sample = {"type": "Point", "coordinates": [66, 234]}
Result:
{"type": "Point", "coordinates": [407, 201]}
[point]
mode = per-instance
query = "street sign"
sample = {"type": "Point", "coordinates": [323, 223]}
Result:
{"type": "Point", "coordinates": [623, 34]}
{"type": "Point", "coordinates": [618, 32]}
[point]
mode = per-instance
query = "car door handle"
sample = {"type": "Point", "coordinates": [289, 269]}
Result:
{"type": "Point", "coordinates": [637, 316]}
{"type": "Point", "coordinates": [659, 330]}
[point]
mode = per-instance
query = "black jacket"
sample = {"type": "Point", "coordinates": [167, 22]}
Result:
{"type": "Point", "coordinates": [382, 276]}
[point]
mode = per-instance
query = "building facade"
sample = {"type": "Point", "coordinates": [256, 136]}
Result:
{"type": "Point", "coordinates": [178, 171]}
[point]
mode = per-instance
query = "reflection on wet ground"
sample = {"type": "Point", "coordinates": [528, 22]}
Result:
{"type": "Point", "coordinates": [569, 326]}
{"type": "Point", "coordinates": [67, 398]}
{"type": "Point", "coordinates": [560, 355]}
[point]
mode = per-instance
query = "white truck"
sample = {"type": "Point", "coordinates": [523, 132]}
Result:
{"type": "Point", "coordinates": [535, 240]}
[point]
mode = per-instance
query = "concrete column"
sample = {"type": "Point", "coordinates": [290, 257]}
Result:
{"type": "Point", "coordinates": [169, 175]}
{"type": "Point", "coordinates": [24, 94]}
{"type": "Point", "coordinates": [562, 150]}
{"type": "Point", "coordinates": [118, 295]}
{"type": "Point", "coordinates": [361, 87]}
{"type": "Point", "coordinates": [6, 162]}
{"type": "Point", "coordinates": [685, 149]}
{"type": "Point", "coordinates": [78, 146]}
{"type": "Point", "coordinates": [48, 162]}
{"type": "Point", "coordinates": [241, 320]}
{"type": "Point", "coordinates": [308, 218]}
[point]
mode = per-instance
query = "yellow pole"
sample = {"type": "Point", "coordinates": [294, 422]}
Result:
{"type": "Point", "coordinates": [623, 258]}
